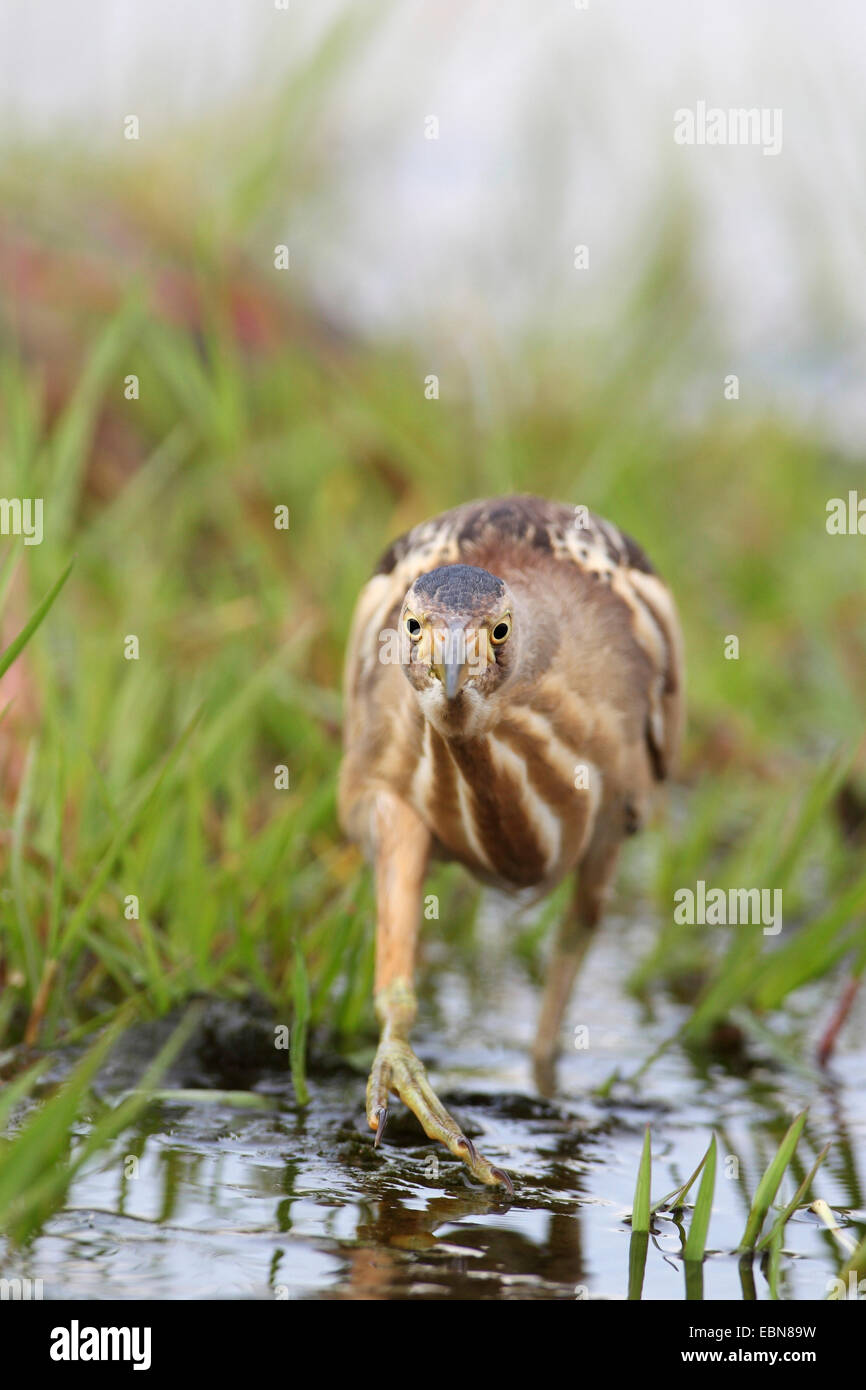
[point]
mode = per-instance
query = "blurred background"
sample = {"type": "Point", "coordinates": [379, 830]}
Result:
{"type": "Point", "coordinates": [165, 385]}
{"type": "Point", "coordinates": [555, 127]}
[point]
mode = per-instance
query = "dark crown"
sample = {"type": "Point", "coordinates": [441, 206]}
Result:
{"type": "Point", "coordinates": [459, 587]}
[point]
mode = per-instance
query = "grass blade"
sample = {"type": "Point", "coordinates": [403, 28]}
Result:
{"type": "Point", "coordinates": [80, 914]}
{"type": "Point", "coordinates": [239, 1100]}
{"type": "Point", "coordinates": [675, 1198]}
{"type": "Point", "coordinates": [27, 631]}
{"type": "Point", "coordinates": [41, 1146]}
{"type": "Point", "coordinates": [14, 1091]}
{"type": "Point", "coordinates": [782, 1220]}
{"type": "Point", "coordinates": [301, 998]}
{"type": "Point", "coordinates": [640, 1217]}
{"type": "Point", "coordinates": [697, 1237]}
{"type": "Point", "coordinates": [38, 1166]}
{"type": "Point", "coordinates": [769, 1184]}
{"type": "Point", "coordinates": [640, 1222]}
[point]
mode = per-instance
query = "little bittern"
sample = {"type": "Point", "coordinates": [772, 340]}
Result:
{"type": "Point", "coordinates": [513, 695]}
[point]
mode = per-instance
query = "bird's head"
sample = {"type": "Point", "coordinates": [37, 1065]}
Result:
{"type": "Point", "coordinates": [460, 644]}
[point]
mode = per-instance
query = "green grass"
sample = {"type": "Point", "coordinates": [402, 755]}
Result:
{"type": "Point", "coordinates": [640, 1217]}
{"type": "Point", "coordinates": [38, 1164]}
{"type": "Point", "coordinates": [694, 1244]}
{"type": "Point", "coordinates": [770, 1182]}
{"type": "Point", "coordinates": [640, 1221]}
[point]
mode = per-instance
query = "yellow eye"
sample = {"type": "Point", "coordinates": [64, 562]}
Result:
{"type": "Point", "coordinates": [501, 631]}
{"type": "Point", "coordinates": [413, 627]}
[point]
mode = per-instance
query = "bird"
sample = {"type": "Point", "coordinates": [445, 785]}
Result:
{"type": "Point", "coordinates": [513, 697]}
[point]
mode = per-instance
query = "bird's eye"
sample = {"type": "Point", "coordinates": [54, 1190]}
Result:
{"type": "Point", "coordinates": [413, 627]}
{"type": "Point", "coordinates": [501, 631]}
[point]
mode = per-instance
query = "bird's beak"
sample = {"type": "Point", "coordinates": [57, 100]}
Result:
{"type": "Point", "coordinates": [453, 668]}
{"type": "Point", "coordinates": [454, 675]}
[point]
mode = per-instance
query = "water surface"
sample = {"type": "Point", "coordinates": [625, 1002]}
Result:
{"type": "Point", "coordinates": [294, 1202]}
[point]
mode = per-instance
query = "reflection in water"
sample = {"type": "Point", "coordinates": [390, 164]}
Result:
{"type": "Point", "coordinates": [461, 1246]}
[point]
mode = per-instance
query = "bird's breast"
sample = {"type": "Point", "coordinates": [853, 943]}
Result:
{"type": "Point", "coordinates": [515, 805]}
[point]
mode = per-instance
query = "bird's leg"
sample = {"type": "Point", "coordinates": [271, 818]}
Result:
{"type": "Point", "coordinates": [575, 933]}
{"type": "Point", "coordinates": [402, 847]}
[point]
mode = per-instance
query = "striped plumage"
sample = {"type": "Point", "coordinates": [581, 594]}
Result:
{"type": "Point", "coordinates": [546, 760]}
{"type": "Point", "coordinates": [600, 690]}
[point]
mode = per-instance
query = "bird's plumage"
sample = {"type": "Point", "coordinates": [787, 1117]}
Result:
{"type": "Point", "coordinates": [570, 746]}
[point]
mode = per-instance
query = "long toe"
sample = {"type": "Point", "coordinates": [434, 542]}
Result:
{"type": "Point", "coordinates": [397, 1068]}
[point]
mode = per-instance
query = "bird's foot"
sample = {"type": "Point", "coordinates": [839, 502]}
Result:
{"type": "Point", "coordinates": [397, 1069]}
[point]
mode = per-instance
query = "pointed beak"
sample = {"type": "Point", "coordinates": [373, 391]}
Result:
{"type": "Point", "coordinates": [453, 667]}
{"type": "Point", "coordinates": [453, 676]}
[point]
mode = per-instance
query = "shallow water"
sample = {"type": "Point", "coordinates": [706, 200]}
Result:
{"type": "Point", "coordinates": [295, 1203]}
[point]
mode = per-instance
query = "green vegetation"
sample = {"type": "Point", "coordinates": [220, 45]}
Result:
{"type": "Point", "coordinates": [694, 1245]}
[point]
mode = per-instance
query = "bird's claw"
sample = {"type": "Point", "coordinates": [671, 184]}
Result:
{"type": "Point", "coordinates": [465, 1143]}
{"type": "Point", "coordinates": [381, 1121]}
{"type": "Point", "coordinates": [397, 1070]}
{"type": "Point", "coordinates": [502, 1177]}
